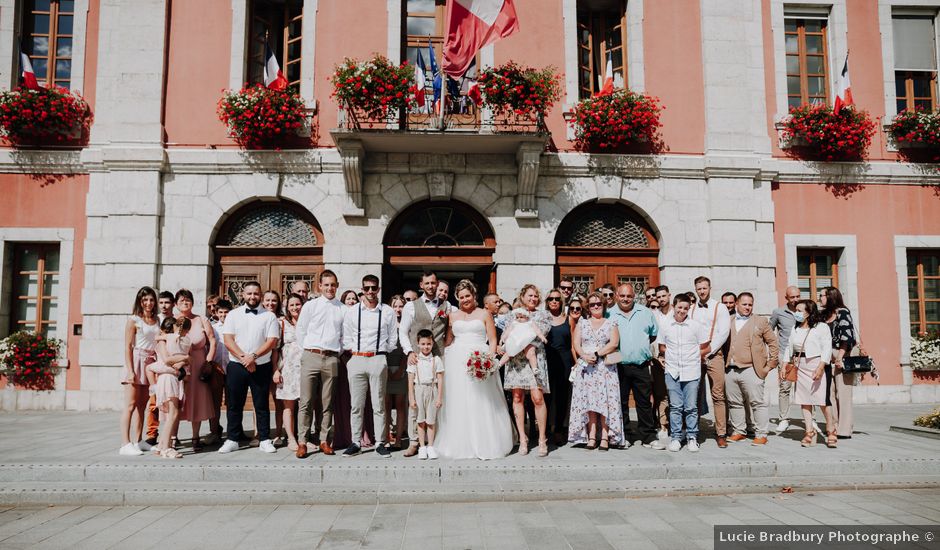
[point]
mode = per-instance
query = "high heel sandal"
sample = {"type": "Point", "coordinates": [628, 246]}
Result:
{"type": "Point", "coordinates": [591, 444]}
{"type": "Point", "coordinates": [523, 446]}
{"type": "Point", "coordinates": [832, 440]}
{"type": "Point", "coordinates": [543, 448]}
{"type": "Point", "coordinates": [809, 439]}
{"type": "Point", "coordinates": [604, 445]}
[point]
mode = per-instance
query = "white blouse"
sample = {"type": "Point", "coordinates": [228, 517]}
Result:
{"type": "Point", "coordinates": [818, 343]}
{"type": "Point", "coordinates": [145, 337]}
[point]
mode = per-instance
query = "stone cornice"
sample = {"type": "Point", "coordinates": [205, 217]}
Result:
{"type": "Point", "coordinates": [27, 161]}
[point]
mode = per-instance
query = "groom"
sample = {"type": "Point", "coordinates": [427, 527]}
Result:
{"type": "Point", "coordinates": [427, 312]}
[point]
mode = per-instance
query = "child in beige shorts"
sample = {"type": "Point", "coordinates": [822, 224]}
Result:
{"type": "Point", "coordinates": [426, 392]}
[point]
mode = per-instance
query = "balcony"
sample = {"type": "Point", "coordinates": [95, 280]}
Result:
{"type": "Point", "coordinates": [467, 131]}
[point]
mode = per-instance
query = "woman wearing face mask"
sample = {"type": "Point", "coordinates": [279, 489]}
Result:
{"type": "Point", "coordinates": [811, 350]}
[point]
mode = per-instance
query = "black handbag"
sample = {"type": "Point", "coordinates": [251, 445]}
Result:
{"type": "Point", "coordinates": [856, 363]}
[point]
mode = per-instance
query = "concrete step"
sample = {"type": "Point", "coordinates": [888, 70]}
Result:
{"type": "Point", "coordinates": [231, 493]}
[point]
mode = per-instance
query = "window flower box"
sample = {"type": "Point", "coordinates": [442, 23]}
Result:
{"type": "Point", "coordinates": [373, 91]}
{"type": "Point", "coordinates": [816, 132]}
{"type": "Point", "coordinates": [519, 96]}
{"type": "Point", "coordinates": [916, 134]}
{"type": "Point", "coordinates": [46, 116]}
{"type": "Point", "coordinates": [925, 353]}
{"type": "Point", "coordinates": [620, 122]}
{"type": "Point", "coordinates": [28, 360]}
{"type": "Point", "coordinates": [260, 118]}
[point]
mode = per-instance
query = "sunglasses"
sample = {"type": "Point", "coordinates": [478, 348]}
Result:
{"type": "Point", "coordinates": [575, 309]}
{"type": "Point", "coordinates": [553, 299]}
{"type": "Point", "coordinates": [607, 293]}
{"type": "Point", "coordinates": [409, 299]}
{"type": "Point", "coordinates": [370, 288]}
{"type": "Point", "coordinates": [566, 287]}
{"type": "Point", "coordinates": [595, 304]}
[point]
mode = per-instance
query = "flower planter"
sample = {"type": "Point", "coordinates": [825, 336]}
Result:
{"type": "Point", "coordinates": [373, 92]}
{"type": "Point", "coordinates": [28, 360]}
{"type": "Point", "coordinates": [259, 118]}
{"type": "Point", "coordinates": [622, 122]}
{"type": "Point", "coordinates": [519, 96]}
{"type": "Point", "coordinates": [818, 133]}
{"type": "Point", "coordinates": [47, 116]}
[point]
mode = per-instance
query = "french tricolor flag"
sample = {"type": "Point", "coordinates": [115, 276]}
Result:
{"type": "Point", "coordinates": [471, 25]}
{"type": "Point", "coordinates": [844, 88]}
{"type": "Point", "coordinates": [420, 77]}
{"type": "Point", "coordinates": [273, 77]}
{"type": "Point", "coordinates": [29, 77]}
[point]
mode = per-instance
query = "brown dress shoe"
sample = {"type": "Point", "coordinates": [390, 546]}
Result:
{"type": "Point", "coordinates": [738, 437]}
{"type": "Point", "coordinates": [301, 451]}
{"type": "Point", "coordinates": [759, 441]}
{"type": "Point", "coordinates": [326, 449]}
{"type": "Point", "coordinates": [410, 451]}
{"type": "Point", "coordinates": [722, 442]}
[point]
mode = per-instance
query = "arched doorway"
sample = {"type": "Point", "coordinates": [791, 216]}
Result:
{"type": "Point", "coordinates": [606, 243]}
{"type": "Point", "coordinates": [449, 237]}
{"type": "Point", "coordinates": [274, 243]}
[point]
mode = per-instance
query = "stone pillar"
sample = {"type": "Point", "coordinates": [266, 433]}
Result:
{"type": "Point", "coordinates": [124, 204]}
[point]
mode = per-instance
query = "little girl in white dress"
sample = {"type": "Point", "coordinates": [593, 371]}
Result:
{"type": "Point", "coordinates": [166, 375]}
{"type": "Point", "coordinates": [518, 339]}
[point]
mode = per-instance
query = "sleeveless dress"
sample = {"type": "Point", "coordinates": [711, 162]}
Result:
{"type": "Point", "coordinates": [596, 389]}
{"type": "Point", "coordinates": [144, 346]}
{"type": "Point", "coordinates": [168, 383]}
{"type": "Point", "coordinates": [198, 405]}
{"type": "Point", "coordinates": [289, 388]}
{"type": "Point", "coordinates": [474, 422]}
{"type": "Point", "coordinates": [560, 361]}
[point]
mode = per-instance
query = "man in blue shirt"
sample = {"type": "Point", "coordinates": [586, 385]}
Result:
{"type": "Point", "coordinates": [638, 328]}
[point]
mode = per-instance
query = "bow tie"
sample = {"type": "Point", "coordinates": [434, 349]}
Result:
{"type": "Point", "coordinates": [703, 304]}
{"type": "Point", "coordinates": [253, 311]}
{"type": "Point", "coordinates": [434, 301]}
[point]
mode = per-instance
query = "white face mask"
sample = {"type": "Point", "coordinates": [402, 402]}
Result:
{"type": "Point", "coordinates": [799, 316]}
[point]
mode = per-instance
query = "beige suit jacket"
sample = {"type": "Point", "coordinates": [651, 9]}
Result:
{"type": "Point", "coordinates": [763, 342]}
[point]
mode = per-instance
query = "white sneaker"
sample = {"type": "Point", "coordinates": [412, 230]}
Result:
{"type": "Point", "coordinates": [422, 453]}
{"type": "Point", "coordinates": [228, 446]}
{"type": "Point", "coordinates": [432, 452]}
{"type": "Point", "coordinates": [675, 446]}
{"type": "Point", "coordinates": [144, 446]}
{"type": "Point", "coordinates": [692, 445]}
{"type": "Point", "coordinates": [657, 445]}
{"type": "Point", "coordinates": [783, 426]}
{"type": "Point", "coordinates": [663, 434]}
{"type": "Point", "coordinates": [130, 450]}
{"type": "Point", "coordinates": [267, 446]}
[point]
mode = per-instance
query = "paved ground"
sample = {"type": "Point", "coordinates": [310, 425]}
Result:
{"type": "Point", "coordinates": [668, 523]}
{"type": "Point", "coordinates": [71, 458]}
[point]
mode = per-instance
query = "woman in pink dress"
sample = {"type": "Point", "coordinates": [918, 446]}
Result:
{"type": "Point", "coordinates": [198, 404]}
{"type": "Point", "coordinates": [167, 380]}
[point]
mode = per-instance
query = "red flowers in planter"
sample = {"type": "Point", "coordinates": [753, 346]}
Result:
{"type": "Point", "coordinates": [916, 133]}
{"type": "Point", "coordinates": [43, 116]}
{"type": "Point", "coordinates": [375, 90]}
{"type": "Point", "coordinates": [816, 132]}
{"type": "Point", "coordinates": [620, 122]}
{"type": "Point", "coordinates": [28, 360]}
{"type": "Point", "coordinates": [259, 118]}
{"type": "Point", "coordinates": [513, 90]}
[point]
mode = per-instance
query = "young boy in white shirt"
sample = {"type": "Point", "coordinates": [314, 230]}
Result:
{"type": "Point", "coordinates": [426, 392]}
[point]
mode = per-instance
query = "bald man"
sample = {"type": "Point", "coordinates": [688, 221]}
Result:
{"type": "Point", "coordinates": [782, 321]}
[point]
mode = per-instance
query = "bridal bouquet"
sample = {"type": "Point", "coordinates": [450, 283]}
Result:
{"type": "Point", "coordinates": [480, 365]}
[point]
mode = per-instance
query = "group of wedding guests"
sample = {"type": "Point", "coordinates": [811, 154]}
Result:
{"type": "Point", "coordinates": [349, 372]}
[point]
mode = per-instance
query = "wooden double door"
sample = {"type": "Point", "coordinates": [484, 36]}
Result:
{"type": "Point", "coordinates": [273, 272]}
{"type": "Point", "coordinates": [591, 269]}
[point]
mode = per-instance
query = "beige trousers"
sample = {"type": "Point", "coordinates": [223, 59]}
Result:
{"type": "Point", "coordinates": [367, 375]}
{"type": "Point", "coordinates": [841, 398]}
{"type": "Point", "coordinates": [745, 391]}
{"type": "Point", "coordinates": [317, 374]}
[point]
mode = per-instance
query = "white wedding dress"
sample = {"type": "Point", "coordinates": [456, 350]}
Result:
{"type": "Point", "coordinates": [474, 422]}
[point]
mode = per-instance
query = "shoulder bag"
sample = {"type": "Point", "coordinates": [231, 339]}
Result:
{"type": "Point", "coordinates": [791, 370]}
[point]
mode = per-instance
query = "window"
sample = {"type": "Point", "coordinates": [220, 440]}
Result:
{"type": "Point", "coordinates": [279, 25]}
{"type": "Point", "coordinates": [923, 290]}
{"type": "Point", "coordinates": [915, 61]}
{"type": "Point", "coordinates": [602, 34]}
{"type": "Point", "coordinates": [807, 61]}
{"type": "Point", "coordinates": [424, 24]}
{"type": "Point", "coordinates": [47, 40]}
{"type": "Point", "coordinates": [35, 288]}
{"type": "Point", "coordinates": [816, 269]}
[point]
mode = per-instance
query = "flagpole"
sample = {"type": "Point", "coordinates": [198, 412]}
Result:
{"type": "Point", "coordinates": [443, 91]}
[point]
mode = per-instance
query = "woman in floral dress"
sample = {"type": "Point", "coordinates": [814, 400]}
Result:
{"type": "Point", "coordinates": [595, 395]}
{"type": "Point", "coordinates": [287, 375]}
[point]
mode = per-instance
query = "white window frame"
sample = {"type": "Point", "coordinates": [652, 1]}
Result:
{"type": "Point", "coordinates": [65, 236]}
{"type": "Point", "coordinates": [834, 13]}
{"type": "Point", "coordinates": [886, 11]}
{"type": "Point", "coordinates": [10, 26]}
{"type": "Point", "coordinates": [848, 264]}
{"type": "Point", "coordinates": [636, 80]}
{"type": "Point", "coordinates": [238, 64]}
{"type": "Point", "coordinates": [901, 245]}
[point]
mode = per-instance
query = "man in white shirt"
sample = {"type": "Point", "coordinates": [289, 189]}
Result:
{"type": "Point", "coordinates": [320, 334]}
{"type": "Point", "coordinates": [369, 331]}
{"type": "Point", "coordinates": [714, 316]}
{"type": "Point", "coordinates": [250, 333]}
{"type": "Point", "coordinates": [683, 342]}
{"type": "Point", "coordinates": [433, 317]}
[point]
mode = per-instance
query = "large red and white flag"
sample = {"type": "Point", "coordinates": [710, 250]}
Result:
{"type": "Point", "coordinates": [273, 77]}
{"type": "Point", "coordinates": [29, 77]}
{"type": "Point", "coordinates": [472, 24]}
{"type": "Point", "coordinates": [843, 88]}
{"type": "Point", "coordinates": [607, 87]}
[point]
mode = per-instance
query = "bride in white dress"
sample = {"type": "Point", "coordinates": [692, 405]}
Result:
{"type": "Point", "coordinates": [474, 421]}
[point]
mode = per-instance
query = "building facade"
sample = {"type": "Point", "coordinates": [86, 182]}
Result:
{"type": "Point", "coordinates": [162, 196]}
